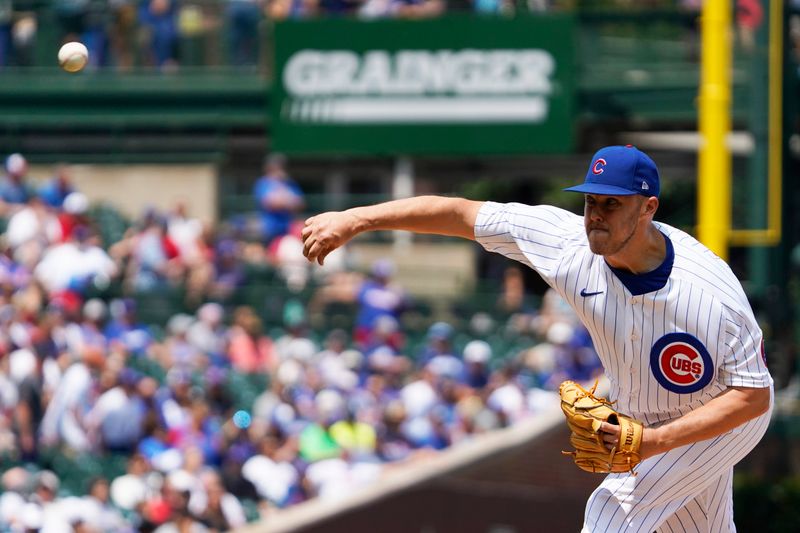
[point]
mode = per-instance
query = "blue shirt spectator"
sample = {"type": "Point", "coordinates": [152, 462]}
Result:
{"type": "Point", "coordinates": [339, 7]}
{"type": "Point", "coordinates": [55, 191]}
{"type": "Point", "coordinates": [439, 336]}
{"type": "Point", "coordinates": [15, 190]}
{"type": "Point", "coordinates": [158, 19]}
{"type": "Point", "coordinates": [125, 328]}
{"type": "Point", "coordinates": [243, 17]}
{"type": "Point", "coordinates": [378, 297]}
{"type": "Point", "coordinates": [278, 198]}
{"type": "Point", "coordinates": [6, 43]}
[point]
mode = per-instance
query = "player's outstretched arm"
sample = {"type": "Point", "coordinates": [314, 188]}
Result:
{"type": "Point", "coordinates": [325, 232]}
{"type": "Point", "coordinates": [723, 413]}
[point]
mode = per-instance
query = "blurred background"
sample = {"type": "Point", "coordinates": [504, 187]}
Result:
{"type": "Point", "coordinates": [168, 359]}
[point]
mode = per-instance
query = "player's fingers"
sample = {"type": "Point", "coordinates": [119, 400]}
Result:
{"type": "Point", "coordinates": [610, 439]}
{"type": "Point", "coordinates": [308, 244]}
{"type": "Point", "coordinates": [314, 250]}
{"type": "Point", "coordinates": [607, 428]}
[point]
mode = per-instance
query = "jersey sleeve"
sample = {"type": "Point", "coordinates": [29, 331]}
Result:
{"type": "Point", "coordinates": [536, 236]}
{"type": "Point", "coordinates": [744, 362]}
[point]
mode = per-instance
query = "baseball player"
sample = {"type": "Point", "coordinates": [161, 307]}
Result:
{"type": "Point", "coordinates": [669, 320]}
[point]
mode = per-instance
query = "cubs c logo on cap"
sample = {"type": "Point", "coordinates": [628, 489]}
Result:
{"type": "Point", "coordinates": [680, 363]}
{"type": "Point", "coordinates": [597, 168]}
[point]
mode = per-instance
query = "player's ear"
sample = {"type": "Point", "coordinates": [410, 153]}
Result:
{"type": "Point", "coordinates": [650, 206]}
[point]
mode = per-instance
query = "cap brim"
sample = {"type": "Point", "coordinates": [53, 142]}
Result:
{"type": "Point", "coordinates": [600, 188]}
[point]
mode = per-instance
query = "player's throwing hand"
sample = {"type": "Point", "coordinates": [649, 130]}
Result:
{"type": "Point", "coordinates": [326, 232]}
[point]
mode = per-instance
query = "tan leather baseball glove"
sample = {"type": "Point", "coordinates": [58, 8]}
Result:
{"type": "Point", "coordinates": [585, 412]}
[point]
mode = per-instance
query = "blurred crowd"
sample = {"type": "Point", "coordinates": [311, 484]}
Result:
{"type": "Point", "coordinates": [111, 423]}
{"type": "Point", "coordinates": [167, 33]}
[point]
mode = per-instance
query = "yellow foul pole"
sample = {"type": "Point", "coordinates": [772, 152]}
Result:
{"type": "Point", "coordinates": [714, 168]}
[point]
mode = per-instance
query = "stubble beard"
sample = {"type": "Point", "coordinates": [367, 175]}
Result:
{"type": "Point", "coordinates": [607, 247]}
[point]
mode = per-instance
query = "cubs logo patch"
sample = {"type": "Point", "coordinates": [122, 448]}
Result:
{"type": "Point", "coordinates": [597, 168]}
{"type": "Point", "coordinates": [680, 363]}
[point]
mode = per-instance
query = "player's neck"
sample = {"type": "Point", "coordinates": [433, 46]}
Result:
{"type": "Point", "coordinates": [643, 253]}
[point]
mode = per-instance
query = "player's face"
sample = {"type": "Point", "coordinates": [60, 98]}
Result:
{"type": "Point", "coordinates": [611, 221]}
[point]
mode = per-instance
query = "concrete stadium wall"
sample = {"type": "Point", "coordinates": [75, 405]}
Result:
{"type": "Point", "coordinates": [132, 188]}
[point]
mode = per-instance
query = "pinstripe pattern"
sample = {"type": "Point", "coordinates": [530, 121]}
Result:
{"type": "Point", "coordinates": [686, 489]}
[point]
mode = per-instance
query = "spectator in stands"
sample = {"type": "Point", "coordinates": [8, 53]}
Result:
{"type": "Point", "coordinates": [125, 328]}
{"type": "Point", "coordinates": [291, 9]}
{"type": "Point", "coordinates": [150, 255]}
{"type": "Point", "coordinates": [316, 439]}
{"type": "Point", "coordinates": [87, 330]}
{"type": "Point", "coordinates": [405, 9]}
{"type": "Point", "coordinates": [554, 309]}
{"type": "Point", "coordinates": [278, 198]}
{"type": "Point", "coordinates": [14, 483]}
{"type": "Point", "coordinates": [76, 264]}
{"type": "Point", "coordinates": [249, 349]}
{"type": "Point", "coordinates": [194, 255]}
{"type": "Point", "coordinates": [216, 508]}
{"type": "Point", "coordinates": [439, 342]}
{"type": "Point", "coordinates": [207, 333]}
{"type": "Point", "coordinates": [23, 40]}
{"type": "Point", "coordinates": [98, 510]}
{"type": "Point", "coordinates": [392, 444]}
{"type": "Point", "coordinates": [186, 233]}
{"type": "Point", "coordinates": [56, 190]}
{"type": "Point", "coordinates": [31, 229]}
{"type": "Point", "coordinates": [15, 189]}
{"type": "Point", "coordinates": [243, 18]}
{"type": "Point", "coordinates": [272, 471]}
{"type": "Point", "coordinates": [122, 32]}
{"type": "Point", "coordinates": [177, 351]}
{"type": "Point", "coordinates": [118, 415]}
{"type": "Point", "coordinates": [514, 305]}
{"type": "Point", "coordinates": [63, 420]}
{"type": "Point", "coordinates": [507, 398]}
{"type": "Point", "coordinates": [572, 358]}
{"type": "Point", "coordinates": [749, 17]}
{"type": "Point", "coordinates": [332, 364]}
{"type": "Point", "coordinates": [159, 33]}
{"type": "Point", "coordinates": [355, 436]}
{"type": "Point", "coordinates": [286, 253]}
{"type": "Point", "coordinates": [477, 354]}
{"type": "Point", "coordinates": [503, 7]}
{"type": "Point", "coordinates": [45, 491]}
{"type": "Point", "coordinates": [26, 409]}
{"type": "Point", "coordinates": [416, 9]}
{"type": "Point", "coordinates": [228, 270]}
{"type": "Point", "coordinates": [378, 296]}
{"type": "Point", "coordinates": [6, 17]}
{"type": "Point", "coordinates": [73, 215]}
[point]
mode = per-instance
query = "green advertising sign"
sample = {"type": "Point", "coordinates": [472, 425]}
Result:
{"type": "Point", "coordinates": [456, 85]}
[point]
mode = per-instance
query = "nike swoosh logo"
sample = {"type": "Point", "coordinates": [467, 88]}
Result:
{"type": "Point", "coordinates": [585, 294]}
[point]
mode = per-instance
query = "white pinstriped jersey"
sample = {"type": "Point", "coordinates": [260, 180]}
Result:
{"type": "Point", "coordinates": [665, 352]}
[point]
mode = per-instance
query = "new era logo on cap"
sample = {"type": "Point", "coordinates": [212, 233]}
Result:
{"type": "Point", "coordinates": [620, 171]}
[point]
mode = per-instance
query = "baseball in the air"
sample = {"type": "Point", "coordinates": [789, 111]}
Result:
{"type": "Point", "coordinates": [73, 56]}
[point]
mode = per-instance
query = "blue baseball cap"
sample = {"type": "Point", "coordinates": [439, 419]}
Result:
{"type": "Point", "coordinates": [620, 171]}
